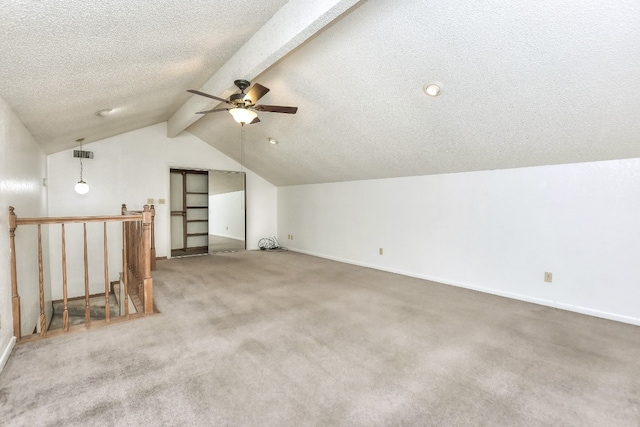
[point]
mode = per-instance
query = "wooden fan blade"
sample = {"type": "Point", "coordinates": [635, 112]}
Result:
{"type": "Point", "coordinates": [256, 92]}
{"type": "Point", "coordinates": [215, 110]}
{"type": "Point", "coordinates": [197, 92]}
{"type": "Point", "coordinates": [275, 109]}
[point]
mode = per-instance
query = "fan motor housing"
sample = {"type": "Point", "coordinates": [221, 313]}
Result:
{"type": "Point", "coordinates": [238, 99]}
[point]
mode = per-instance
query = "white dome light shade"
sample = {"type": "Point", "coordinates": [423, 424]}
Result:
{"type": "Point", "coordinates": [242, 115]}
{"type": "Point", "coordinates": [82, 187]}
{"type": "Point", "coordinates": [432, 89]}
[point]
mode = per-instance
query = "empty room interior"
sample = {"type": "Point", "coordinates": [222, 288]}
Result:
{"type": "Point", "coordinates": [338, 212]}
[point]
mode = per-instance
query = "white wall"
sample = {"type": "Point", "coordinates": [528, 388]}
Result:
{"type": "Point", "coordinates": [131, 168]}
{"type": "Point", "coordinates": [22, 169]}
{"type": "Point", "coordinates": [226, 216]}
{"type": "Point", "coordinates": [495, 231]}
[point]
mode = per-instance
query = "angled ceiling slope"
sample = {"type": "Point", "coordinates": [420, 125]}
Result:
{"type": "Point", "coordinates": [523, 84]}
{"type": "Point", "coordinates": [64, 61]}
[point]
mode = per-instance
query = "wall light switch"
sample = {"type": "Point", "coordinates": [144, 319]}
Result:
{"type": "Point", "coordinates": [548, 277]}
{"type": "Point", "coordinates": [161, 201]}
{"type": "Point", "coordinates": [381, 251]}
{"type": "Point", "coordinates": [149, 201]}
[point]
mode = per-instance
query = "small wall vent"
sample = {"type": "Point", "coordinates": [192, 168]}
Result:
{"type": "Point", "coordinates": [83, 154]}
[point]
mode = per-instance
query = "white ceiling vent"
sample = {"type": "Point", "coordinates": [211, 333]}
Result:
{"type": "Point", "coordinates": [83, 154]}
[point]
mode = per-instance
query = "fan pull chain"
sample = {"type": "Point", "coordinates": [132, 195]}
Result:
{"type": "Point", "coordinates": [242, 166]}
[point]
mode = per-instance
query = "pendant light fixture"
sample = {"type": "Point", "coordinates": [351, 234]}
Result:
{"type": "Point", "coordinates": [81, 186]}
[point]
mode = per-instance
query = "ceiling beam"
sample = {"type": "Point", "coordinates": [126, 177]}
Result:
{"type": "Point", "coordinates": [291, 26]}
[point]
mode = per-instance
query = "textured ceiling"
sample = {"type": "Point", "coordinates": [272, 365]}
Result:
{"type": "Point", "coordinates": [61, 61]}
{"type": "Point", "coordinates": [523, 83]}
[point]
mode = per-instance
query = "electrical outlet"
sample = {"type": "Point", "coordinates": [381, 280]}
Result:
{"type": "Point", "coordinates": [548, 277]}
{"type": "Point", "coordinates": [381, 251]}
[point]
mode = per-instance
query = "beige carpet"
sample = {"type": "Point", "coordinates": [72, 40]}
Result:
{"type": "Point", "coordinates": [224, 244]}
{"type": "Point", "coordinates": [283, 339]}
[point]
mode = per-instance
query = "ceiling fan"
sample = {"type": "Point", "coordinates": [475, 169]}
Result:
{"type": "Point", "coordinates": [243, 105]}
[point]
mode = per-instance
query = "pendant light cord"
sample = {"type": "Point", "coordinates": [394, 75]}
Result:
{"type": "Point", "coordinates": [81, 154]}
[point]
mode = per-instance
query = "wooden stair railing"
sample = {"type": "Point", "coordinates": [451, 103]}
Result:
{"type": "Point", "coordinates": [137, 239]}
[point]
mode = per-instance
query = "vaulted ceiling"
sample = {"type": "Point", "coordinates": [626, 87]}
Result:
{"type": "Point", "coordinates": [523, 83]}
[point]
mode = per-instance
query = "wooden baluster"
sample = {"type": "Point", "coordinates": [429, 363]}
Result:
{"type": "Point", "coordinates": [153, 238]}
{"type": "Point", "coordinates": [15, 298]}
{"type": "Point", "coordinates": [146, 249]}
{"type": "Point", "coordinates": [65, 312]}
{"type": "Point", "coordinates": [125, 267]}
{"type": "Point", "coordinates": [107, 308]}
{"type": "Point", "coordinates": [138, 244]}
{"type": "Point", "coordinates": [43, 318]}
{"type": "Point", "coordinates": [132, 257]}
{"type": "Point", "coordinates": [130, 265]}
{"type": "Point", "coordinates": [87, 307]}
{"type": "Point", "coordinates": [136, 260]}
{"type": "Point", "coordinates": [141, 266]}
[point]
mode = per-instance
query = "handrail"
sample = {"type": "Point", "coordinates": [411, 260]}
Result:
{"type": "Point", "coordinates": [77, 219]}
{"type": "Point", "coordinates": [140, 221]}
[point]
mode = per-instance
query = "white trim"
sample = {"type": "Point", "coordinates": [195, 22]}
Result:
{"type": "Point", "coordinates": [520, 297]}
{"type": "Point", "coordinates": [7, 352]}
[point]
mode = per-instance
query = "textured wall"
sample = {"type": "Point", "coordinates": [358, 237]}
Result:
{"type": "Point", "coordinates": [495, 231]}
{"type": "Point", "coordinates": [22, 169]}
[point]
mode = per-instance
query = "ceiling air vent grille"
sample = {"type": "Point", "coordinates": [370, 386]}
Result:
{"type": "Point", "coordinates": [83, 154]}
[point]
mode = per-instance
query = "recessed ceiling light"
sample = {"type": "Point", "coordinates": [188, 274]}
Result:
{"type": "Point", "coordinates": [272, 141]}
{"type": "Point", "coordinates": [103, 112]}
{"type": "Point", "coordinates": [432, 89]}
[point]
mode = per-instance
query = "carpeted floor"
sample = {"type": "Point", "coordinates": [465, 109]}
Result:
{"type": "Point", "coordinates": [224, 244]}
{"type": "Point", "coordinates": [283, 339]}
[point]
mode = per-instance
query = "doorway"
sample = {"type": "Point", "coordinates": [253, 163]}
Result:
{"type": "Point", "coordinates": [189, 191]}
{"type": "Point", "coordinates": [208, 211]}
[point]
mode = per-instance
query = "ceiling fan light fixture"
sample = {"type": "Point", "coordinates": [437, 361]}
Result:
{"type": "Point", "coordinates": [243, 115]}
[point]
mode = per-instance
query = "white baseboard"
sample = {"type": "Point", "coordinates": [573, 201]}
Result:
{"type": "Point", "coordinates": [520, 297]}
{"type": "Point", "coordinates": [7, 352]}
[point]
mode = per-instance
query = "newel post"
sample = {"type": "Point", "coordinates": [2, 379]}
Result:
{"type": "Point", "coordinates": [15, 298]}
{"type": "Point", "coordinates": [146, 250]}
